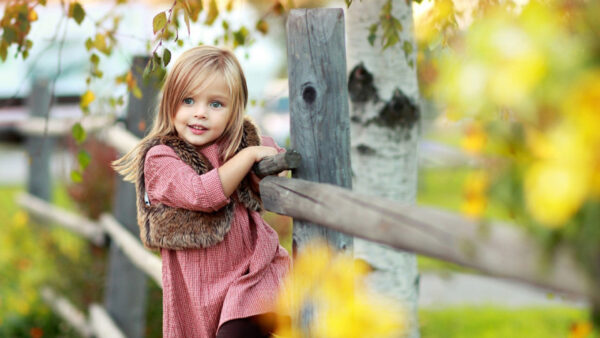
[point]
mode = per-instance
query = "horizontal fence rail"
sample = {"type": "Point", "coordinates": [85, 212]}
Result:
{"type": "Point", "coordinates": [143, 258]}
{"type": "Point", "coordinates": [67, 311]}
{"type": "Point", "coordinates": [102, 325]}
{"type": "Point", "coordinates": [498, 250]}
{"type": "Point", "coordinates": [131, 246]}
{"type": "Point", "coordinates": [98, 325]}
{"type": "Point", "coordinates": [119, 138]}
{"type": "Point", "coordinates": [60, 127]}
{"type": "Point", "coordinates": [78, 224]}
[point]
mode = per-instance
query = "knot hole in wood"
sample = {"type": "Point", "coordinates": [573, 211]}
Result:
{"type": "Point", "coordinates": [309, 94]}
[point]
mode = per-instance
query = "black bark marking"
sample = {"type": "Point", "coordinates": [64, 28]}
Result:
{"type": "Point", "coordinates": [360, 85]}
{"type": "Point", "coordinates": [400, 111]}
{"type": "Point", "coordinates": [364, 149]}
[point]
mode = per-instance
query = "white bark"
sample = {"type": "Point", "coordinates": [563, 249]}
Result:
{"type": "Point", "coordinates": [388, 166]}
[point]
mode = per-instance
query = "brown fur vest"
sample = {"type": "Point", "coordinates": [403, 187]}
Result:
{"type": "Point", "coordinates": [162, 226]}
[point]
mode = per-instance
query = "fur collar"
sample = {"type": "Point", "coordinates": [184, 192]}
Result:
{"type": "Point", "coordinates": [162, 226]}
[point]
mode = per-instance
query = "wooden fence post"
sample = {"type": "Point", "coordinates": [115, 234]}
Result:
{"type": "Point", "coordinates": [319, 118]}
{"type": "Point", "coordinates": [39, 148]}
{"type": "Point", "coordinates": [125, 298]}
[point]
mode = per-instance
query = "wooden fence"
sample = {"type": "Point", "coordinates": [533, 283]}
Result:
{"type": "Point", "coordinates": [320, 132]}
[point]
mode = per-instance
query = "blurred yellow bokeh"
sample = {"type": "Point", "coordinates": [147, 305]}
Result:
{"type": "Point", "coordinates": [329, 286]}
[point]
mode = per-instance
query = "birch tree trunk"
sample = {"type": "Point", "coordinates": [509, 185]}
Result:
{"type": "Point", "coordinates": [384, 117]}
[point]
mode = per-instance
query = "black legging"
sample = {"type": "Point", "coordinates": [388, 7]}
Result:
{"type": "Point", "coordinates": [260, 326]}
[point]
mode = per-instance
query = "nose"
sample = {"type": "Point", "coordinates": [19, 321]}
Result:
{"type": "Point", "coordinates": [200, 113]}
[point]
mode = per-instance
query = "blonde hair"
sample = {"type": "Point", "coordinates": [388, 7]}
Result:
{"type": "Point", "coordinates": [188, 74]}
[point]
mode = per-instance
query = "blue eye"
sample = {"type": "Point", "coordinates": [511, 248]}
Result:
{"type": "Point", "coordinates": [216, 104]}
{"type": "Point", "coordinates": [188, 100]}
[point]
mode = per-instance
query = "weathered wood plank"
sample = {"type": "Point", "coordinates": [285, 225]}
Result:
{"type": "Point", "coordinates": [78, 224]}
{"type": "Point", "coordinates": [272, 165]}
{"type": "Point", "coordinates": [67, 311]}
{"type": "Point", "coordinates": [102, 325]}
{"type": "Point", "coordinates": [125, 296]}
{"type": "Point", "coordinates": [497, 249]}
{"type": "Point", "coordinates": [61, 127]}
{"type": "Point", "coordinates": [119, 138]}
{"type": "Point", "coordinates": [142, 258]}
{"type": "Point", "coordinates": [319, 118]}
{"type": "Point", "coordinates": [39, 147]}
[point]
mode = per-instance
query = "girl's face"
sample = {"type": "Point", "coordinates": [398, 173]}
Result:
{"type": "Point", "coordinates": [202, 118]}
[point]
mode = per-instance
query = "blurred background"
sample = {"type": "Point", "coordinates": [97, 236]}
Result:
{"type": "Point", "coordinates": [510, 107]}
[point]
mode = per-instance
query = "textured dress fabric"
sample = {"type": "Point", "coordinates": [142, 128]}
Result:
{"type": "Point", "coordinates": [236, 278]}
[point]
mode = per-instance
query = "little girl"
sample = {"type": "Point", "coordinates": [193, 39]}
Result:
{"type": "Point", "coordinates": [198, 202]}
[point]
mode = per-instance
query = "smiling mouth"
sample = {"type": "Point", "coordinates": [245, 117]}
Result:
{"type": "Point", "coordinates": [197, 127]}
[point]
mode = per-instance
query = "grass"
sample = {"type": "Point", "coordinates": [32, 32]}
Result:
{"type": "Point", "coordinates": [496, 322]}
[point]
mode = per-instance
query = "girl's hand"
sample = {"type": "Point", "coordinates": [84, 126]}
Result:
{"type": "Point", "coordinates": [235, 169]}
{"type": "Point", "coordinates": [261, 152]}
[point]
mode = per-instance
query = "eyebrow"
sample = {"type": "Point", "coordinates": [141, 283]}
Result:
{"type": "Point", "coordinates": [220, 97]}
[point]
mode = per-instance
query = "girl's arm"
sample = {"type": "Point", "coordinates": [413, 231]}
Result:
{"type": "Point", "coordinates": [171, 181]}
{"type": "Point", "coordinates": [236, 168]}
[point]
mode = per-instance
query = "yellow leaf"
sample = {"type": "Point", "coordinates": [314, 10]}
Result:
{"type": "Point", "coordinates": [86, 99]}
{"type": "Point", "coordinates": [100, 42]}
{"type": "Point", "coordinates": [33, 16]}
{"type": "Point", "coordinates": [581, 329]}
{"type": "Point", "coordinates": [330, 285]}
{"type": "Point", "coordinates": [213, 12]}
{"type": "Point", "coordinates": [554, 192]}
{"type": "Point", "coordinates": [474, 139]}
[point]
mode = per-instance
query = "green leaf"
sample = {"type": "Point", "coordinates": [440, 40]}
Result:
{"type": "Point", "coordinates": [372, 36]}
{"type": "Point", "coordinates": [157, 61]}
{"type": "Point", "coordinates": [42, 2]}
{"type": "Point", "coordinates": [239, 37]}
{"type": "Point", "coordinates": [166, 57]}
{"type": "Point", "coordinates": [3, 51]}
{"type": "Point", "coordinates": [262, 26]}
{"type": "Point", "coordinates": [78, 133]}
{"type": "Point", "coordinates": [213, 12]}
{"type": "Point", "coordinates": [390, 34]}
{"type": "Point", "coordinates": [148, 69]}
{"type": "Point", "coordinates": [78, 12]}
{"type": "Point", "coordinates": [84, 159]}
{"type": "Point", "coordinates": [408, 48]}
{"type": "Point", "coordinates": [94, 59]}
{"type": "Point", "coordinates": [89, 44]}
{"type": "Point", "coordinates": [386, 9]}
{"type": "Point", "coordinates": [159, 22]}
{"type": "Point", "coordinates": [348, 3]}
{"type": "Point", "coordinates": [76, 176]}
{"type": "Point", "coordinates": [9, 35]}
{"type": "Point", "coordinates": [137, 92]}
{"type": "Point", "coordinates": [397, 25]}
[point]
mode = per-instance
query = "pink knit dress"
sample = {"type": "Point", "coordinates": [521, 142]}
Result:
{"type": "Point", "coordinates": [236, 278]}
